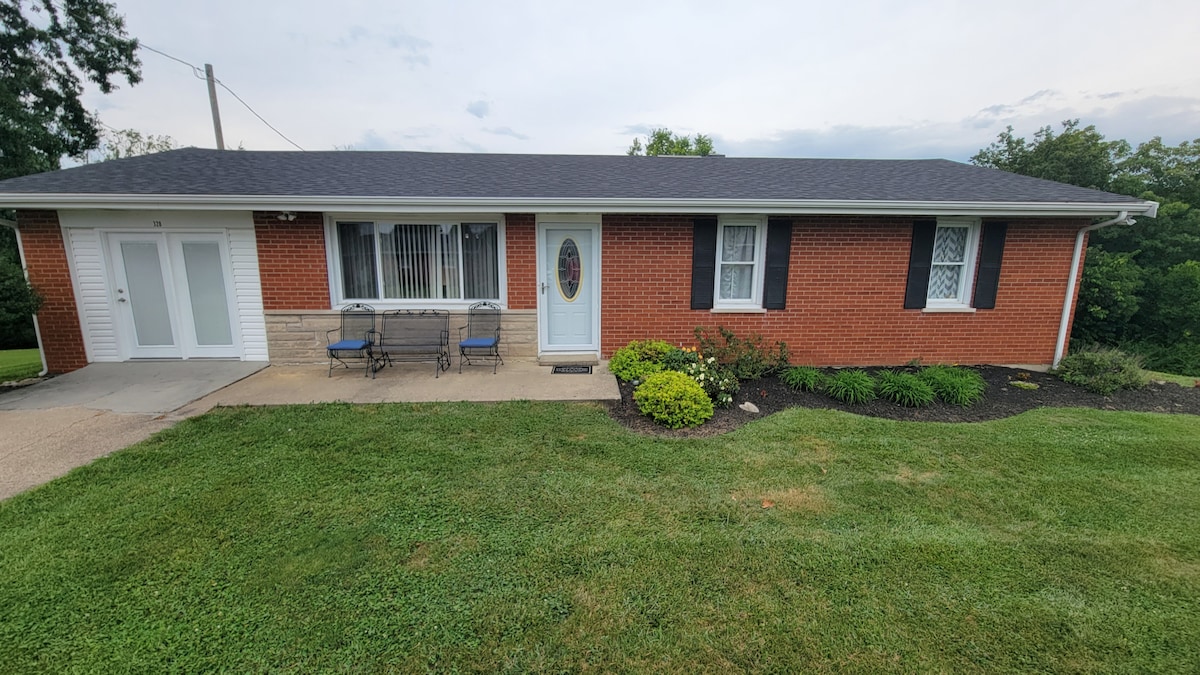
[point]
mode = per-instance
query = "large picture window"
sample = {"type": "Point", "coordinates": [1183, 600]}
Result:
{"type": "Point", "coordinates": [388, 260]}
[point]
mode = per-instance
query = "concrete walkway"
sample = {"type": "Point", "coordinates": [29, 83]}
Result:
{"type": "Point", "coordinates": [51, 427]}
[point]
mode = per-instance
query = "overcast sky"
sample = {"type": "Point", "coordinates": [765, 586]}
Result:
{"type": "Point", "coordinates": [791, 79]}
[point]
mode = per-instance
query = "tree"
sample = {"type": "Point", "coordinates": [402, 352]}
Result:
{"type": "Point", "coordinates": [18, 300]}
{"type": "Point", "coordinates": [45, 48]}
{"type": "Point", "coordinates": [1140, 285]}
{"type": "Point", "coordinates": [665, 142]}
{"type": "Point", "coordinates": [1076, 156]}
{"type": "Point", "coordinates": [120, 143]}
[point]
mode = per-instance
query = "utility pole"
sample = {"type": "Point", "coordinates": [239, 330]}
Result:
{"type": "Point", "coordinates": [212, 100]}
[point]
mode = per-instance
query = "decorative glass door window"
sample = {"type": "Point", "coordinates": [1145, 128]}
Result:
{"type": "Point", "coordinates": [570, 269]}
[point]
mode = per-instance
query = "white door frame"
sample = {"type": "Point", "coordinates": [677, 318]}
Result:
{"type": "Point", "coordinates": [178, 301]}
{"type": "Point", "coordinates": [574, 221]}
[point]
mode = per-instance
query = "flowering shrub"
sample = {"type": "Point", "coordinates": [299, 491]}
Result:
{"type": "Point", "coordinates": [673, 399]}
{"type": "Point", "coordinates": [718, 382]}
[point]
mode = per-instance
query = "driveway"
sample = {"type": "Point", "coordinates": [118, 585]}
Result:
{"type": "Point", "coordinates": [54, 426]}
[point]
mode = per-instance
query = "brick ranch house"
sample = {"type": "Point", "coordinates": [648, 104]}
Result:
{"type": "Point", "coordinates": [199, 253]}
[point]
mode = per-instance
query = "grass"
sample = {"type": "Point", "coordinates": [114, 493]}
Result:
{"type": "Point", "coordinates": [18, 364]}
{"type": "Point", "coordinates": [1181, 380]}
{"type": "Point", "coordinates": [531, 537]}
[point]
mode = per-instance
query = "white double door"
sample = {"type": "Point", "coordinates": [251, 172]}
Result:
{"type": "Point", "coordinates": [173, 294]}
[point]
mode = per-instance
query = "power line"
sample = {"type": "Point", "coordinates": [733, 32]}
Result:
{"type": "Point", "coordinates": [199, 73]}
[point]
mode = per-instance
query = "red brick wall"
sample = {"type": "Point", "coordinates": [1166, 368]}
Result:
{"type": "Point", "coordinates": [58, 319]}
{"type": "Point", "coordinates": [291, 261]}
{"type": "Point", "coordinates": [521, 259]}
{"type": "Point", "coordinates": [845, 297]}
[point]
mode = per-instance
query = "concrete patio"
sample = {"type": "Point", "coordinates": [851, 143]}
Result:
{"type": "Point", "coordinates": [412, 382]}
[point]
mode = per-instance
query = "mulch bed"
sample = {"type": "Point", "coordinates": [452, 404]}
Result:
{"type": "Point", "coordinates": [1000, 400]}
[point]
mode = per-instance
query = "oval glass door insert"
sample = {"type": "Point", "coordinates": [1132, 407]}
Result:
{"type": "Point", "coordinates": [570, 269]}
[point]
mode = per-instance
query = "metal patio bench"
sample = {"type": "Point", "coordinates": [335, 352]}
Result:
{"type": "Point", "coordinates": [416, 336]}
{"type": "Point", "coordinates": [481, 342]}
{"type": "Point", "coordinates": [356, 340]}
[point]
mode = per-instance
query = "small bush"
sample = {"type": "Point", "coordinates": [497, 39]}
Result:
{"type": "Point", "coordinates": [717, 381]}
{"type": "Point", "coordinates": [749, 358]}
{"type": "Point", "coordinates": [679, 359]}
{"type": "Point", "coordinates": [803, 378]}
{"type": "Point", "coordinates": [639, 359]}
{"type": "Point", "coordinates": [851, 386]}
{"type": "Point", "coordinates": [956, 386]}
{"type": "Point", "coordinates": [906, 389]}
{"type": "Point", "coordinates": [1102, 370]}
{"type": "Point", "coordinates": [673, 399]}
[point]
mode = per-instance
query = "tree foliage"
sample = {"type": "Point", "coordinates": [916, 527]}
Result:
{"type": "Point", "coordinates": [665, 142]}
{"type": "Point", "coordinates": [1141, 284]}
{"type": "Point", "coordinates": [46, 47]}
{"type": "Point", "coordinates": [121, 143]}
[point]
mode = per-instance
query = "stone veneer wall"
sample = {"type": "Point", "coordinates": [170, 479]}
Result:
{"type": "Point", "coordinates": [298, 337]}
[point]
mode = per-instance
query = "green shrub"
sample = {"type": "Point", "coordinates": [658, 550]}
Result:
{"type": "Point", "coordinates": [906, 389]}
{"type": "Point", "coordinates": [638, 359]}
{"type": "Point", "coordinates": [673, 399]}
{"type": "Point", "coordinates": [1180, 358]}
{"type": "Point", "coordinates": [1102, 370]}
{"type": "Point", "coordinates": [803, 378]}
{"type": "Point", "coordinates": [717, 381]}
{"type": "Point", "coordinates": [851, 386]}
{"type": "Point", "coordinates": [680, 358]}
{"type": "Point", "coordinates": [749, 358]}
{"type": "Point", "coordinates": [956, 386]}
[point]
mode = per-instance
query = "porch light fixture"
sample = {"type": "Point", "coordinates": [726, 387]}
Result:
{"type": "Point", "coordinates": [286, 215]}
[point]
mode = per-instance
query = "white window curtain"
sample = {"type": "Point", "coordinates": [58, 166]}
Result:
{"type": "Point", "coordinates": [737, 262]}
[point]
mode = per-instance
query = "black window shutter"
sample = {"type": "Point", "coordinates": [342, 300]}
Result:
{"type": "Point", "coordinates": [991, 250]}
{"type": "Point", "coordinates": [779, 249]}
{"type": "Point", "coordinates": [920, 257]}
{"type": "Point", "coordinates": [704, 262]}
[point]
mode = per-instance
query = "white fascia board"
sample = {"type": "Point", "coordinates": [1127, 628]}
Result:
{"type": "Point", "coordinates": [543, 205]}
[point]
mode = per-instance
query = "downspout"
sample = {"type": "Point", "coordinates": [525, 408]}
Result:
{"type": "Point", "coordinates": [1060, 345]}
{"type": "Point", "coordinates": [37, 331]}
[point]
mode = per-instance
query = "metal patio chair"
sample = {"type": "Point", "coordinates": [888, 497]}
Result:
{"type": "Point", "coordinates": [480, 345]}
{"type": "Point", "coordinates": [356, 338]}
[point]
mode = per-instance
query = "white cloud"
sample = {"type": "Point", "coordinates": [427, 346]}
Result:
{"type": "Point", "coordinates": [860, 78]}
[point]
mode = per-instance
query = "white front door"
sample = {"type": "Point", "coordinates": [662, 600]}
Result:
{"type": "Point", "coordinates": [569, 302]}
{"type": "Point", "coordinates": [173, 294]}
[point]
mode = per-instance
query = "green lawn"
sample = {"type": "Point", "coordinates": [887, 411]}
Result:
{"type": "Point", "coordinates": [531, 537]}
{"type": "Point", "coordinates": [18, 364]}
{"type": "Point", "coordinates": [1181, 380]}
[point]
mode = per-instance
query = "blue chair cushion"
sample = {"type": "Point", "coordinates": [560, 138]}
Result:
{"type": "Point", "coordinates": [348, 345]}
{"type": "Point", "coordinates": [478, 343]}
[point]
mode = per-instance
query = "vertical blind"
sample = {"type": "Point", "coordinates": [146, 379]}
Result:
{"type": "Point", "coordinates": [438, 261]}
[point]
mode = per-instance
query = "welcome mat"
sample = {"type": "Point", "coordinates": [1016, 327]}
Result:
{"type": "Point", "coordinates": [572, 370]}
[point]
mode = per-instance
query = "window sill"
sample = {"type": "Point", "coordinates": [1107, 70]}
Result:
{"type": "Point", "coordinates": [738, 310]}
{"type": "Point", "coordinates": [949, 310]}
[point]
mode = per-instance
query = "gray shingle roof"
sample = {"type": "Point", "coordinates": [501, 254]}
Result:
{"type": "Point", "coordinates": [201, 172]}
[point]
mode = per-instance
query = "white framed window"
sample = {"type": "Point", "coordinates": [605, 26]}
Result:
{"type": "Point", "coordinates": [741, 248]}
{"type": "Point", "coordinates": [952, 270]}
{"type": "Point", "coordinates": [421, 261]}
